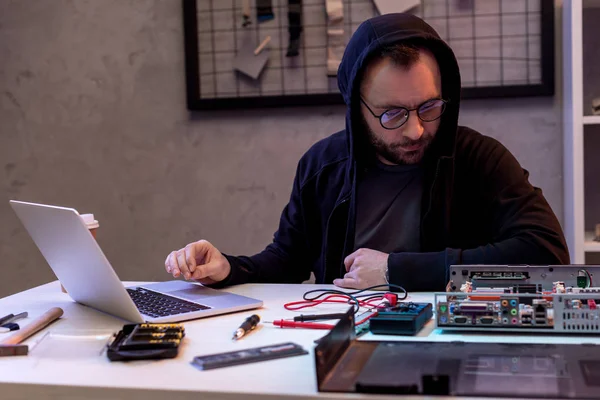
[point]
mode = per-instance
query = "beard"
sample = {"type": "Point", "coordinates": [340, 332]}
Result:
{"type": "Point", "coordinates": [394, 152]}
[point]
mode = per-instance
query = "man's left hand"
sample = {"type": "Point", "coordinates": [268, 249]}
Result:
{"type": "Point", "coordinates": [365, 268]}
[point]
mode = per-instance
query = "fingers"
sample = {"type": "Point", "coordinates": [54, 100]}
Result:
{"type": "Point", "coordinates": [205, 251]}
{"type": "Point", "coordinates": [189, 261]}
{"type": "Point", "coordinates": [190, 257]}
{"type": "Point", "coordinates": [210, 269]}
{"type": "Point", "coordinates": [349, 260]}
{"type": "Point", "coordinates": [176, 264]}
{"type": "Point", "coordinates": [182, 263]}
{"type": "Point", "coordinates": [216, 270]}
{"type": "Point", "coordinates": [350, 280]}
{"type": "Point", "coordinates": [202, 271]}
{"type": "Point", "coordinates": [356, 265]}
{"type": "Point", "coordinates": [349, 283]}
{"type": "Point", "coordinates": [206, 281]}
{"type": "Point", "coordinates": [168, 264]}
{"type": "Point", "coordinates": [171, 265]}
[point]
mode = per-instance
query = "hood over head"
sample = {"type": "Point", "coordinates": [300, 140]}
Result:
{"type": "Point", "coordinates": [382, 31]}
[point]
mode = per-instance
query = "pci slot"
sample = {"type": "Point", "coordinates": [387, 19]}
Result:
{"type": "Point", "coordinates": [499, 276]}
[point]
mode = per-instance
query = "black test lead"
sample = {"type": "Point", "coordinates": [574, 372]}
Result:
{"type": "Point", "coordinates": [317, 317]}
{"type": "Point", "coordinates": [246, 326]}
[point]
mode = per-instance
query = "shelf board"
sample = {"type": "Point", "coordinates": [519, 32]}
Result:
{"type": "Point", "coordinates": [590, 245]}
{"type": "Point", "coordinates": [591, 119]}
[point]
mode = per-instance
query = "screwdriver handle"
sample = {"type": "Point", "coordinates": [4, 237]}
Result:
{"type": "Point", "coordinates": [250, 322]}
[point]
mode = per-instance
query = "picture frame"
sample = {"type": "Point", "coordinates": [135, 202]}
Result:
{"type": "Point", "coordinates": [545, 87]}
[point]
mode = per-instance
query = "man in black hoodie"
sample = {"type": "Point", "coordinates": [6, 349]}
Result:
{"type": "Point", "coordinates": [403, 192]}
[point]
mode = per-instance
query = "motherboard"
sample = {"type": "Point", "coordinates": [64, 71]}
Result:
{"type": "Point", "coordinates": [503, 301]}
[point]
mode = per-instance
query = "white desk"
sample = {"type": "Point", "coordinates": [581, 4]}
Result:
{"type": "Point", "coordinates": [37, 376]}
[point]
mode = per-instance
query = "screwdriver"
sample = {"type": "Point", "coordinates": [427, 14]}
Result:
{"type": "Point", "coordinates": [246, 326]}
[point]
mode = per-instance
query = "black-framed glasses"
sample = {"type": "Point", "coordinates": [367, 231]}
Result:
{"type": "Point", "coordinates": [394, 118]}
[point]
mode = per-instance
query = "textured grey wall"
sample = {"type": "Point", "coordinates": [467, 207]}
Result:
{"type": "Point", "coordinates": [92, 115]}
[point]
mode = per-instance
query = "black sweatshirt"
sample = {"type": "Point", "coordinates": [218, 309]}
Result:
{"type": "Point", "coordinates": [478, 206]}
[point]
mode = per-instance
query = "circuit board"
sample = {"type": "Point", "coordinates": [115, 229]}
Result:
{"type": "Point", "coordinates": [501, 276]}
{"type": "Point", "coordinates": [574, 311]}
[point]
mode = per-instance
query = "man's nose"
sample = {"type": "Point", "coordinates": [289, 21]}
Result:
{"type": "Point", "coordinates": [413, 128]}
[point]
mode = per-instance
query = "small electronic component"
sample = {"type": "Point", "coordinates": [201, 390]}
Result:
{"type": "Point", "coordinates": [391, 298]}
{"type": "Point", "coordinates": [146, 341]}
{"type": "Point", "coordinates": [403, 319]}
{"type": "Point", "coordinates": [248, 356]}
{"type": "Point", "coordinates": [582, 279]}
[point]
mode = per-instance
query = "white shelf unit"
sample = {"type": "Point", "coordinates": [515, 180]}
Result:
{"type": "Point", "coordinates": [591, 119]}
{"type": "Point", "coordinates": [574, 120]}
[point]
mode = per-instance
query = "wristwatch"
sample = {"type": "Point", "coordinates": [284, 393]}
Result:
{"type": "Point", "coordinates": [386, 275]}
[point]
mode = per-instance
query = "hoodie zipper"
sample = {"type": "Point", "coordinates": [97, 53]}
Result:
{"type": "Point", "coordinates": [435, 178]}
{"type": "Point", "coordinates": [327, 233]}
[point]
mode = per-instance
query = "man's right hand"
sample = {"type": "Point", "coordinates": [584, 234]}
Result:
{"type": "Point", "coordinates": [200, 261]}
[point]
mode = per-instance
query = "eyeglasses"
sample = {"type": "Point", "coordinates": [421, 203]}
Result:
{"type": "Point", "coordinates": [396, 117]}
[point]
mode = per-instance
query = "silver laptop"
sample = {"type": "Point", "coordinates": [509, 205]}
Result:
{"type": "Point", "coordinates": [82, 268]}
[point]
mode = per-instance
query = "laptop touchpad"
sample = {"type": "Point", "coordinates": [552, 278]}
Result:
{"type": "Point", "coordinates": [184, 290]}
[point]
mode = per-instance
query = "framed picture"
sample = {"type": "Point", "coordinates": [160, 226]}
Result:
{"type": "Point", "coordinates": [504, 48]}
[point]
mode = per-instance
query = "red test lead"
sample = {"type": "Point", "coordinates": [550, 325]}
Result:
{"type": "Point", "coordinates": [294, 324]}
{"type": "Point", "coordinates": [282, 323]}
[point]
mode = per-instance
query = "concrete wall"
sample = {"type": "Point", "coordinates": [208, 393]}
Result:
{"type": "Point", "coordinates": [92, 115]}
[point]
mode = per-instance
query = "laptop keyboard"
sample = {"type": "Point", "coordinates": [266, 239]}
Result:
{"type": "Point", "coordinates": [160, 305]}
